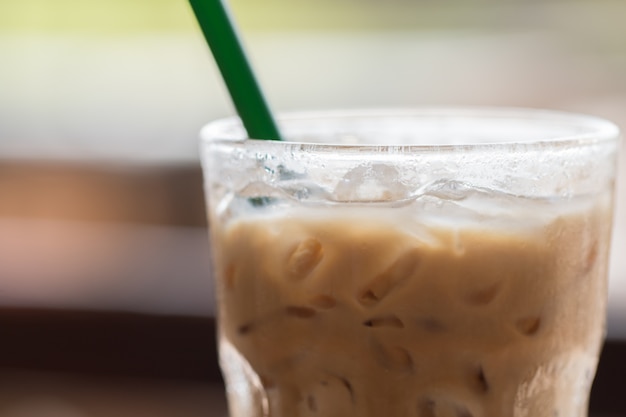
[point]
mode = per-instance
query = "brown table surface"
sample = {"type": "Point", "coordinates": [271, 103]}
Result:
{"type": "Point", "coordinates": [56, 363]}
{"type": "Point", "coordinates": [36, 394]}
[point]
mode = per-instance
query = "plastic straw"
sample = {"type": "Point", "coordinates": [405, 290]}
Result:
{"type": "Point", "coordinates": [221, 35]}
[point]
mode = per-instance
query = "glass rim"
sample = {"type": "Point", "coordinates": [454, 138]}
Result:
{"type": "Point", "coordinates": [597, 130]}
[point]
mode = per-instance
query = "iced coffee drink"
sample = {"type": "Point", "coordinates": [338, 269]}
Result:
{"type": "Point", "coordinates": [439, 298]}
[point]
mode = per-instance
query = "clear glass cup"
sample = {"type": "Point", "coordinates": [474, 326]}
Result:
{"type": "Point", "coordinates": [426, 262]}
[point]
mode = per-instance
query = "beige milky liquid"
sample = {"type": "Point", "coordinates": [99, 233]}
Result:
{"type": "Point", "coordinates": [359, 312]}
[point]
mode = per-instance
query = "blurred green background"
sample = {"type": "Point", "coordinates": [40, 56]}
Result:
{"type": "Point", "coordinates": [598, 18]}
{"type": "Point", "coordinates": [132, 79]}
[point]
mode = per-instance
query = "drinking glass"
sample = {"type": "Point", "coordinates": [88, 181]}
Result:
{"type": "Point", "coordinates": [442, 262]}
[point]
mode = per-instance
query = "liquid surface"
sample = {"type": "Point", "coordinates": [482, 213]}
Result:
{"type": "Point", "coordinates": [361, 312]}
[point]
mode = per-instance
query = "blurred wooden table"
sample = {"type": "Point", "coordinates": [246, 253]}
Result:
{"type": "Point", "coordinates": [56, 363]}
{"type": "Point", "coordinates": [36, 394]}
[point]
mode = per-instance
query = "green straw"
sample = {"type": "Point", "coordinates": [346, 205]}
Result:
{"type": "Point", "coordinates": [230, 57]}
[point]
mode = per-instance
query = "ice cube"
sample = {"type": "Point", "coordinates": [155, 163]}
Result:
{"type": "Point", "coordinates": [371, 182]}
